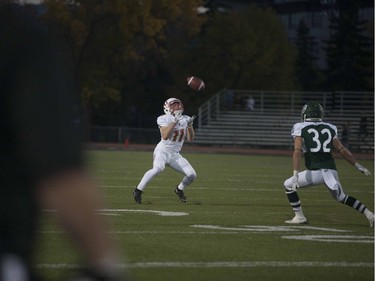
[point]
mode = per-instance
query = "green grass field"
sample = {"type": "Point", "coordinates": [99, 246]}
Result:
{"type": "Point", "coordinates": [231, 228]}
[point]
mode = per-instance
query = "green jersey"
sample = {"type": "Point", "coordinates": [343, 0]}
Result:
{"type": "Point", "coordinates": [317, 143]}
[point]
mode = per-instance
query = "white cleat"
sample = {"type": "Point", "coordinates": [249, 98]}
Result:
{"type": "Point", "coordinates": [297, 220]}
{"type": "Point", "coordinates": [371, 219]}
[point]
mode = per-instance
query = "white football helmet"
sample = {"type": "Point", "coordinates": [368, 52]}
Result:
{"type": "Point", "coordinates": [173, 105]}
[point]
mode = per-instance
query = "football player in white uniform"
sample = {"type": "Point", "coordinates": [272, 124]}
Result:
{"type": "Point", "coordinates": [174, 129]}
{"type": "Point", "coordinates": [316, 139]}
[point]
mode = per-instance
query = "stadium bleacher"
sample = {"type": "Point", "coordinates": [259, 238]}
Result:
{"type": "Point", "coordinates": [269, 124]}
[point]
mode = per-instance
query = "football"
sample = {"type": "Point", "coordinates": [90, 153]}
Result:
{"type": "Point", "coordinates": [195, 83]}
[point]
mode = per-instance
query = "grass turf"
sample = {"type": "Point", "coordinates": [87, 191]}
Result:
{"type": "Point", "coordinates": [231, 228]}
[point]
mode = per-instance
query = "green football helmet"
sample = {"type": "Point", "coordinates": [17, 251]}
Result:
{"type": "Point", "coordinates": [312, 111]}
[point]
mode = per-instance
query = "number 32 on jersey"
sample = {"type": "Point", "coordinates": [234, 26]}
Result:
{"type": "Point", "coordinates": [319, 140]}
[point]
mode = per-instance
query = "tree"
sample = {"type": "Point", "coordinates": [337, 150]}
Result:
{"type": "Point", "coordinates": [370, 31]}
{"type": "Point", "coordinates": [349, 50]}
{"type": "Point", "coordinates": [307, 74]}
{"type": "Point", "coordinates": [121, 48]}
{"type": "Point", "coordinates": [245, 50]}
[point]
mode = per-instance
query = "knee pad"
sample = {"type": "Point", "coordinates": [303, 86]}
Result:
{"type": "Point", "coordinates": [192, 176]}
{"type": "Point", "coordinates": [288, 185]}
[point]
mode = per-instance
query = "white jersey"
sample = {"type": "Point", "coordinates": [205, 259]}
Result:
{"type": "Point", "coordinates": [174, 143]}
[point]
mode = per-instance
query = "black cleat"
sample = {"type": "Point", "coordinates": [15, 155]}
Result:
{"type": "Point", "coordinates": [180, 194]}
{"type": "Point", "coordinates": [137, 195]}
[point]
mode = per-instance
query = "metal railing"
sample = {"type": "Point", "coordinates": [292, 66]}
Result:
{"type": "Point", "coordinates": [337, 105]}
{"type": "Point", "coordinates": [284, 102]}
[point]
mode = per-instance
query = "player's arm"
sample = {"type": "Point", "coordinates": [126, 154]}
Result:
{"type": "Point", "coordinates": [349, 156]}
{"type": "Point", "coordinates": [190, 129]}
{"type": "Point", "coordinates": [190, 133]}
{"type": "Point", "coordinates": [166, 131]}
{"type": "Point", "coordinates": [296, 160]}
{"type": "Point", "coordinates": [344, 151]}
{"type": "Point", "coordinates": [297, 153]}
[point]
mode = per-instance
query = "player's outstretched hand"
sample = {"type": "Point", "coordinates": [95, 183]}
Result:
{"type": "Point", "coordinates": [362, 169]}
{"type": "Point", "coordinates": [177, 115]}
{"type": "Point", "coordinates": [191, 120]}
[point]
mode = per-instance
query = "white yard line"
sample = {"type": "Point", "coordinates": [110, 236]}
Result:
{"type": "Point", "coordinates": [156, 212]}
{"type": "Point", "coordinates": [218, 264]}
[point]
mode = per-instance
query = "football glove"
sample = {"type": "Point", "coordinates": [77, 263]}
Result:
{"type": "Point", "coordinates": [295, 184]}
{"type": "Point", "coordinates": [362, 169]}
{"type": "Point", "coordinates": [191, 120]}
{"type": "Point", "coordinates": [177, 114]}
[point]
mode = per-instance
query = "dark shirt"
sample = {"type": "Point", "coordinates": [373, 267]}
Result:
{"type": "Point", "coordinates": [38, 137]}
{"type": "Point", "coordinates": [317, 143]}
{"type": "Point", "coordinates": [37, 100]}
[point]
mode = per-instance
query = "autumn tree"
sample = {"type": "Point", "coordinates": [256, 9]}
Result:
{"type": "Point", "coordinates": [122, 49]}
{"type": "Point", "coordinates": [132, 55]}
{"type": "Point", "coordinates": [246, 50]}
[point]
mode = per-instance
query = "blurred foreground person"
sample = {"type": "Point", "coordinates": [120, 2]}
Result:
{"type": "Point", "coordinates": [316, 139]}
{"type": "Point", "coordinates": [41, 160]}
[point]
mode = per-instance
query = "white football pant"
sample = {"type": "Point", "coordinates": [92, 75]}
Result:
{"type": "Point", "coordinates": [327, 177]}
{"type": "Point", "coordinates": [173, 160]}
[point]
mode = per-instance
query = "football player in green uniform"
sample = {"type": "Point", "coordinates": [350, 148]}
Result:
{"type": "Point", "coordinates": [316, 139]}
